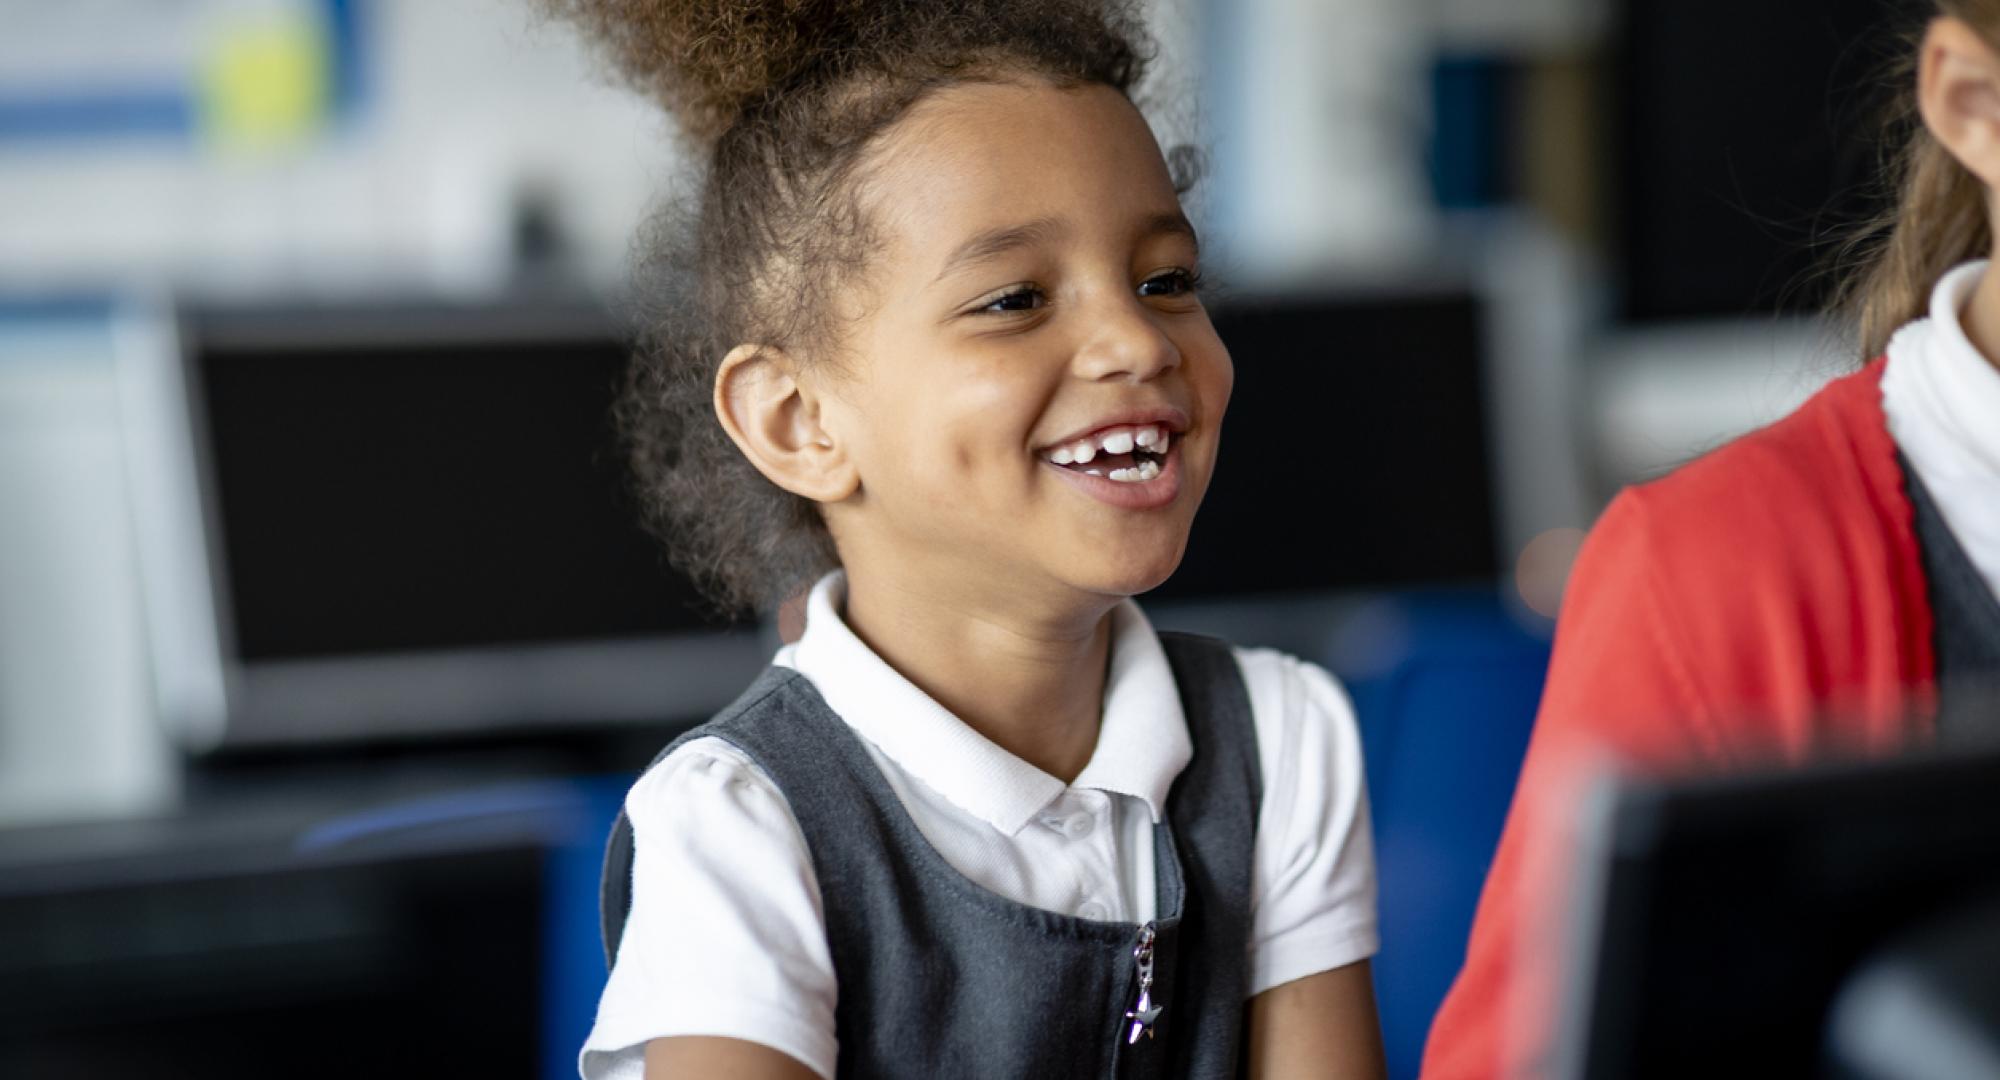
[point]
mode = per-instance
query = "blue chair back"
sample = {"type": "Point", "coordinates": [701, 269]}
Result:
{"type": "Point", "coordinates": [1445, 707]}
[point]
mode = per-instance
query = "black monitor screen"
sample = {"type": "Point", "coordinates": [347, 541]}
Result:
{"type": "Point", "coordinates": [1355, 452]}
{"type": "Point", "coordinates": [395, 490]}
{"type": "Point", "coordinates": [453, 490]}
{"type": "Point", "coordinates": [1748, 137]}
{"type": "Point", "coordinates": [1724, 917]}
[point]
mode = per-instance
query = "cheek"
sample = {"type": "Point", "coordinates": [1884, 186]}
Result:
{"type": "Point", "coordinates": [986, 410]}
{"type": "Point", "coordinates": [1212, 378]}
{"type": "Point", "coordinates": [947, 430]}
{"type": "Point", "coordinates": [1216, 377]}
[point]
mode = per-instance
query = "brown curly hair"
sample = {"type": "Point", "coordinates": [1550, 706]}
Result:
{"type": "Point", "coordinates": [780, 99]}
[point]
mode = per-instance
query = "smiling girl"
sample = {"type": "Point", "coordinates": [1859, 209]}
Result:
{"type": "Point", "coordinates": [934, 342]}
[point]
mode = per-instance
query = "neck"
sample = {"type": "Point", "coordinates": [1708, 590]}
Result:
{"type": "Point", "coordinates": [1030, 681]}
{"type": "Point", "coordinates": [1981, 317]}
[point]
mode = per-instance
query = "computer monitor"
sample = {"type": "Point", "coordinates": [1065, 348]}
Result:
{"type": "Point", "coordinates": [379, 521]}
{"type": "Point", "coordinates": [217, 945]}
{"type": "Point", "coordinates": [1721, 919]}
{"type": "Point", "coordinates": [1745, 141]}
{"type": "Point", "coordinates": [1357, 450]}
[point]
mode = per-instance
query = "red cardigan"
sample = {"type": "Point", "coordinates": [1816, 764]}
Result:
{"type": "Point", "coordinates": [1765, 600]}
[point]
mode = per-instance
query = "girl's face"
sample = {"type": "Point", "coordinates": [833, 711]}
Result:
{"type": "Point", "coordinates": [1033, 394]}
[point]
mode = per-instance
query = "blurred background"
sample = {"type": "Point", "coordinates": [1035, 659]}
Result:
{"type": "Point", "coordinates": [328, 643]}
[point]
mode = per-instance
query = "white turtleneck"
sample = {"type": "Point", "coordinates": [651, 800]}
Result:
{"type": "Point", "coordinates": [1942, 398]}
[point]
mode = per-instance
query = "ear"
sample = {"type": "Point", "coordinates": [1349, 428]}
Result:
{"type": "Point", "coordinates": [773, 416]}
{"type": "Point", "coordinates": [1958, 93]}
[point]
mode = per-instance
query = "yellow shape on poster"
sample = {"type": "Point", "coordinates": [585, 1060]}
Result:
{"type": "Point", "coordinates": [266, 83]}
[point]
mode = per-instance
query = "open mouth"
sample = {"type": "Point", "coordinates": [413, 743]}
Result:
{"type": "Point", "coordinates": [1125, 453]}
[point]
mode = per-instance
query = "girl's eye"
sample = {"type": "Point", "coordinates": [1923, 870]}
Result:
{"type": "Point", "coordinates": [1022, 298]}
{"type": "Point", "coordinates": [1175, 282]}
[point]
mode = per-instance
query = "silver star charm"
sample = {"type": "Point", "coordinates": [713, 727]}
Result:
{"type": "Point", "coordinates": [1143, 1017]}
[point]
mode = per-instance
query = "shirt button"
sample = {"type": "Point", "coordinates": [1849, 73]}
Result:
{"type": "Point", "coordinates": [1093, 910]}
{"type": "Point", "coordinates": [1078, 826]}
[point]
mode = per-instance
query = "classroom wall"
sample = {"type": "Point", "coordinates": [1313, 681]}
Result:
{"type": "Point", "coordinates": [1354, 144]}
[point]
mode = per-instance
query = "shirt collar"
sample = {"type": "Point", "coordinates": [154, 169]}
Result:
{"type": "Point", "coordinates": [1142, 740]}
{"type": "Point", "coordinates": [1943, 378]}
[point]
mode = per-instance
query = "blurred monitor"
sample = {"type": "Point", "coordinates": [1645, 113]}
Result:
{"type": "Point", "coordinates": [1356, 452]}
{"type": "Point", "coordinates": [1723, 919]}
{"type": "Point", "coordinates": [1745, 144]}
{"type": "Point", "coordinates": [377, 522]}
{"type": "Point", "coordinates": [215, 949]}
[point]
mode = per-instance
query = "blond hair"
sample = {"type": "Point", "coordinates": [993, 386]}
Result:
{"type": "Point", "coordinates": [1939, 218]}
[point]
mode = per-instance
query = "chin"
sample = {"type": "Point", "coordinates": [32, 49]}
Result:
{"type": "Point", "coordinates": [1129, 576]}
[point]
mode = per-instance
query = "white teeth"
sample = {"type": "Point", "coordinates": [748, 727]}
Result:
{"type": "Point", "coordinates": [1094, 472]}
{"type": "Point", "coordinates": [1150, 437]}
{"type": "Point", "coordinates": [1140, 473]}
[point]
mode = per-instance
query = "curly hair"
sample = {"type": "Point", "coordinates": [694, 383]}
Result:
{"type": "Point", "coordinates": [781, 99]}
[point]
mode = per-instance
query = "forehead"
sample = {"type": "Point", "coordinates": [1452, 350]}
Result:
{"type": "Point", "coordinates": [979, 156]}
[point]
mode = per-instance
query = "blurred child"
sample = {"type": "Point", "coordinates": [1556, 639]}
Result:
{"type": "Point", "coordinates": [943, 353]}
{"type": "Point", "coordinates": [1826, 584]}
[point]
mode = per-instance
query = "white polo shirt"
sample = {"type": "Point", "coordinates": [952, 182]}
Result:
{"type": "Point", "coordinates": [1942, 400]}
{"type": "Point", "coordinates": [727, 937]}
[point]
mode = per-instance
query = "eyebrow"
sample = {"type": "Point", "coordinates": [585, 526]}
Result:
{"type": "Point", "coordinates": [1170, 222]}
{"type": "Point", "coordinates": [994, 243]}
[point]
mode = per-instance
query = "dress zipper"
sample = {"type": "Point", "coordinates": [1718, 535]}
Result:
{"type": "Point", "coordinates": [1143, 1013]}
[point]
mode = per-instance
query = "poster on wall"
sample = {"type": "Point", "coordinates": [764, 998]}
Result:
{"type": "Point", "coordinates": [231, 72]}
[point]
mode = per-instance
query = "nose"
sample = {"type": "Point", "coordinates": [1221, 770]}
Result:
{"type": "Point", "coordinates": [1126, 341]}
